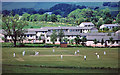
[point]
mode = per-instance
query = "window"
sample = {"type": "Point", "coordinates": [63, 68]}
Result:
{"type": "Point", "coordinates": [27, 35]}
{"type": "Point", "coordinates": [55, 39]}
{"type": "Point", "coordinates": [117, 41]}
{"type": "Point", "coordinates": [48, 40]}
{"type": "Point", "coordinates": [30, 35]}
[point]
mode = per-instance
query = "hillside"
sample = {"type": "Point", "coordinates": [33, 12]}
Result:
{"type": "Point", "coordinates": [43, 5]}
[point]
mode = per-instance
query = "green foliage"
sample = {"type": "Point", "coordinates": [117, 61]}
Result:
{"type": "Point", "coordinates": [13, 27]}
{"type": "Point", "coordinates": [65, 40]}
{"type": "Point", "coordinates": [100, 22]}
{"type": "Point", "coordinates": [25, 17]}
{"type": "Point", "coordinates": [83, 40]}
{"type": "Point", "coordinates": [53, 36]}
{"type": "Point", "coordinates": [115, 29]}
{"type": "Point", "coordinates": [102, 41]}
{"type": "Point", "coordinates": [80, 20]}
{"type": "Point", "coordinates": [3, 38]}
{"type": "Point", "coordinates": [77, 40]}
{"type": "Point", "coordinates": [71, 41]}
{"type": "Point", "coordinates": [108, 21]}
{"type": "Point", "coordinates": [111, 40]}
{"type": "Point", "coordinates": [61, 35]}
{"type": "Point", "coordinates": [39, 37]}
{"type": "Point", "coordinates": [95, 41]}
{"type": "Point", "coordinates": [118, 18]}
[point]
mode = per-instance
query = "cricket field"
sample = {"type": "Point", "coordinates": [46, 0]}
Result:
{"type": "Point", "coordinates": [48, 61]}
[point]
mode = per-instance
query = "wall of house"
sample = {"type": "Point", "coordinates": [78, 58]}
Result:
{"type": "Point", "coordinates": [81, 25]}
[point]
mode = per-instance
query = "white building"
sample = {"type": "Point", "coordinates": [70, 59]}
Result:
{"type": "Point", "coordinates": [110, 26]}
{"type": "Point", "coordinates": [87, 24]}
{"type": "Point", "coordinates": [70, 33]}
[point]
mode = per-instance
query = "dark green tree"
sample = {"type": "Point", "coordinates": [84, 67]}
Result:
{"type": "Point", "coordinates": [102, 41]}
{"type": "Point", "coordinates": [100, 22]}
{"type": "Point", "coordinates": [13, 27]}
{"type": "Point", "coordinates": [71, 41]}
{"type": "Point", "coordinates": [77, 40]}
{"type": "Point", "coordinates": [111, 41]}
{"type": "Point", "coordinates": [25, 17]}
{"type": "Point", "coordinates": [53, 36]}
{"type": "Point", "coordinates": [65, 40]}
{"type": "Point", "coordinates": [83, 40]}
{"type": "Point", "coordinates": [53, 18]}
{"type": "Point", "coordinates": [61, 35]}
{"type": "Point", "coordinates": [95, 42]}
{"type": "Point", "coordinates": [118, 18]}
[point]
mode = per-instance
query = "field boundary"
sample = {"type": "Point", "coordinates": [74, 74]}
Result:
{"type": "Point", "coordinates": [56, 55]}
{"type": "Point", "coordinates": [63, 67]}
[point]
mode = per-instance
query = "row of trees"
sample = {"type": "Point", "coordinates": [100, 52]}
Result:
{"type": "Point", "coordinates": [60, 35]}
{"type": "Point", "coordinates": [77, 40]}
{"type": "Point", "coordinates": [98, 17]}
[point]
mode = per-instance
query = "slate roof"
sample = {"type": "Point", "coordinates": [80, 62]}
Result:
{"type": "Point", "coordinates": [87, 23]}
{"type": "Point", "coordinates": [110, 24]}
{"type": "Point", "coordinates": [81, 34]}
{"type": "Point", "coordinates": [40, 29]}
{"type": "Point", "coordinates": [70, 27]}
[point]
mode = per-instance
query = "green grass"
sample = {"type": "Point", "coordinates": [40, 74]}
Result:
{"type": "Point", "coordinates": [108, 60]}
{"type": "Point", "coordinates": [45, 24]}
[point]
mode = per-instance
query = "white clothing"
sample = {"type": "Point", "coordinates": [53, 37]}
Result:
{"type": "Point", "coordinates": [61, 56]}
{"type": "Point", "coordinates": [53, 50]}
{"type": "Point", "coordinates": [104, 53]}
{"type": "Point", "coordinates": [13, 54]}
{"type": "Point", "coordinates": [36, 53]}
{"type": "Point", "coordinates": [75, 52]}
{"type": "Point", "coordinates": [84, 57]}
{"type": "Point", "coordinates": [98, 56]}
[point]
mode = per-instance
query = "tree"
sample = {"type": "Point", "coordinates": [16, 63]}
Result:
{"type": "Point", "coordinates": [80, 20]}
{"type": "Point", "coordinates": [72, 41]}
{"type": "Point", "coordinates": [111, 40]}
{"type": "Point", "coordinates": [95, 42]}
{"type": "Point", "coordinates": [53, 36]}
{"type": "Point", "coordinates": [25, 17]}
{"type": "Point", "coordinates": [29, 40]}
{"type": "Point", "coordinates": [13, 27]}
{"type": "Point", "coordinates": [3, 38]}
{"type": "Point", "coordinates": [118, 18]}
{"type": "Point", "coordinates": [39, 37]}
{"type": "Point", "coordinates": [61, 35]}
{"type": "Point", "coordinates": [102, 41]}
{"type": "Point", "coordinates": [53, 18]}
{"type": "Point", "coordinates": [100, 22]}
{"type": "Point", "coordinates": [83, 40]}
{"type": "Point", "coordinates": [108, 21]}
{"type": "Point", "coordinates": [65, 39]}
{"type": "Point", "coordinates": [77, 40]}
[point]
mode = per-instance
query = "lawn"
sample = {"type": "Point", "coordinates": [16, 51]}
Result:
{"type": "Point", "coordinates": [50, 62]}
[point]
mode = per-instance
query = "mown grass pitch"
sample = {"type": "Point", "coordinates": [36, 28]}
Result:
{"type": "Point", "coordinates": [52, 63]}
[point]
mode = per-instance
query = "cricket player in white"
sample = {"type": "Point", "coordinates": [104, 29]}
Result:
{"type": "Point", "coordinates": [98, 56]}
{"type": "Point", "coordinates": [14, 54]}
{"type": "Point", "coordinates": [78, 51]}
{"type": "Point", "coordinates": [53, 50]}
{"type": "Point", "coordinates": [36, 53]}
{"type": "Point", "coordinates": [104, 53]}
{"type": "Point", "coordinates": [23, 52]}
{"type": "Point", "coordinates": [75, 52]}
{"type": "Point", "coordinates": [61, 56]}
{"type": "Point", "coordinates": [85, 57]}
